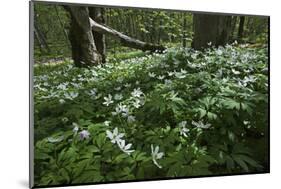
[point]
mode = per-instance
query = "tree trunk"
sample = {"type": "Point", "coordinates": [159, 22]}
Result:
{"type": "Point", "coordinates": [184, 31]}
{"type": "Point", "coordinates": [210, 28]}
{"type": "Point", "coordinates": [40, 43]}
{"type": "Point", "coordinates": [249, 22]}
{"type": "Point", "coordinates": [133, 25]}
{"type": "Point", "coordinates": [124, 39]}
{"type": "Point", "coordinates": [97, 14]}
{"type": "Point", "coordinates": [153, 32]}
{"type": "Point", "coordinates": [62, 26]}
{"type": "Point", "coordinates": [159, 32]}
{"type": "Point", "coordinates": [40, 38]}
{"type": "Point", "coordinates": [241, 28]}
{"type": "Point", "coordinates": [84, 52]}
{"type": "Point", "coordinates": [233, 28]}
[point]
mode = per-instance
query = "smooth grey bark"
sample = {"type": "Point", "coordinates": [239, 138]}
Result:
{"type": "Point", "coordinates": [84, 51]}
{"type": "Point", "coordinates": [124, 39]}
{"type": "Point", "coordinates": [210, 28]}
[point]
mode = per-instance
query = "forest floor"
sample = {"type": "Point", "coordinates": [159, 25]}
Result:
{"type": "Point", "coordinates": [144, 116]}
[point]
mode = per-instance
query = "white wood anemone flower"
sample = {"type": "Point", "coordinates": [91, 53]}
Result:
{"type": "Point", "coordinates": [151, 74]}
{"type": "Point", "coordinates": [131, 119]}
{"type": "Point", "coordinates": [107, 123]}
{"type": "Point", "coordinates": [137, 103]}
{"type": "Point", "coordinates": [121, 109]}
{"type": "Point", "coordinates": [183, 130]}
{"type": "Point", "coordinates": [161, 77]}
{"type": "Point", "coordinates": [118, 97]}
{"type": "Point", "coordinates": [137, 93]}
{"type": "Point", "coordinates": [125, 148]}
{"type": "Point", "coordinates": [107, 100]}
{"type": "Point", "coordinates": [93, 92]}
{"type": "Point", "coordinates": [127, 85]}
{"type": "Point", "coordinates": [114, 136]}
{"type": "Point", "coordinates": [71, 95]}
{"type": "Point", "coordinates": [201, 125]}
{"type": "Point", "coordinates": [156, 155]}
{"type": "Point", "coordinates": [75, 129]}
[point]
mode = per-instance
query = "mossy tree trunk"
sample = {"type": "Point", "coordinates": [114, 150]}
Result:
{"type": "Point", "coordinates": [84, 51]}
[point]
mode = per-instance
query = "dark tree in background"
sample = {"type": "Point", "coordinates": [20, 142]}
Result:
{"type": "Point", "coordinates": [62, 24]}
{"type": "Point", "coordinates": [241, 28]}
{"type": "Point", "coordinates": [184, 31]}
{"type": "Point", "coordinates": [84, 51]}
{"type": "Point", "coordinates": [39, 36]}
{"type": "Point", "coordinates": [233, 27]}
{"type": "Point", "coordinates": [211, 28]}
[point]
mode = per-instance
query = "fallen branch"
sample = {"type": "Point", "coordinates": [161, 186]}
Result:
{"type": "Point", "coordinates": [124, 39]}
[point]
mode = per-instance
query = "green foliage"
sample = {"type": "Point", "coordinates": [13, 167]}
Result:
{"type": "Point", "coordinates": [51, 23]}
{"type": "Point", "coordinates": [181, 113]}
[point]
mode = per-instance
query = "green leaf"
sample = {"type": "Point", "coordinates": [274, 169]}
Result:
{"type": "Point", "coordinates": [100, 140]}
{"type": "Point", "coordinates": [140, 173]}
{"type": "Point", "coordinates": [120, 157]}
{"type": "Point", "coordinates": [240, 162]}
{"type": "Point", "coordinates": [173, 169]}
{"type": "Point", "coordinates": [80, 167]}
{"type": "Point", "coordinates": [140, 156]}
{"type": "Point", "coordinates": [41, 155]}
{"type": "Point", "coordinates": [250, 161]}
{"type": "Point", "coordinates": [212, 116]}
{"type": "Point", "coordinates": [231, 104]}
{"type": "Point", "coordinates": [93, 149]}
{"type": "Point", "coordinates": [88, 176]}
{"type": "Point", "coordinates": [64, 175]}
{"type": "Point", "coordinates": [201, 112]}
{"type": "Point", "coordinates": [229, 163]}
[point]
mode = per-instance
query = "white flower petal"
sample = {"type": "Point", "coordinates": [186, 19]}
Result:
{"type": "Point", "coordinates": [156, 149]}
{"type": "Point", "coordinates": [109, 134]}
{"type": "Point", "coordinates": [115, 131]}
{"type": "Point", "coordinates": [159, 155]}
{"type": "Point", "coordinates": [128, 146]}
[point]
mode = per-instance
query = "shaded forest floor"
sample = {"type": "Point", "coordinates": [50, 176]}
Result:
{"type": "Point", "coordinates": [204, 110]}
